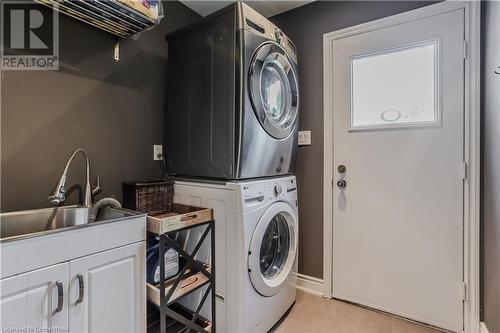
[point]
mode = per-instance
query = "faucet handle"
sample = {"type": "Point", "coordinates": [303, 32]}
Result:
{"type": "Point", "coordinates": [56, 200]}
{"type": "Point", "coordinates": [97, 189]}
{"type": "Point", "coordinates": [58, 196]}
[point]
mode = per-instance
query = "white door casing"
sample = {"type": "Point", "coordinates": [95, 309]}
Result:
{"type": "Point", "coordinates": [423, 259]}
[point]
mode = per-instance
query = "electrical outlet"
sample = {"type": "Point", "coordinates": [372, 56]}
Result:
{"type": "Point", "coordinates": [157, 152]}
{"type": "Point", "coordinates": [304, 138]}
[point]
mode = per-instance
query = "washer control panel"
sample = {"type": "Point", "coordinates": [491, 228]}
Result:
{"type": "Point", "coordinates": [281, 188]}
{"type": "Point", "coordinates": [262, 192]}
{"type": "Point", "coordinates": [277, 190]}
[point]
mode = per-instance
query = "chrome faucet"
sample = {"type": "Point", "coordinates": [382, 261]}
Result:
{"type": "Point", "coordinates": [58, 195]}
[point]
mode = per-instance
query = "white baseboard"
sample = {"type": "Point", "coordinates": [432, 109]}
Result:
{"type": "Point", "coordinates": [484, 329]}
{"type": "Point", "coordinates": [310, 284]}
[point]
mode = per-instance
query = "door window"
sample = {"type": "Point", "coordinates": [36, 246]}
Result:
{"type": "Point", "coordinates": [395, 87]}
{"type": "Point", "coordinates": [274, 247]}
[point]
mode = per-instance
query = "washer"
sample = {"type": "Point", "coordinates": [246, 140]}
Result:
{"type": "Point", "coordinates": [233, 98]}
{"type": "Point", "coordinates": [256, 225]}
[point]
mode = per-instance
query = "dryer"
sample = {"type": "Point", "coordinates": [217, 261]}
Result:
{"type": "Point", "coordinates": [233, 98]}
{"type": "Point", "coordinates": [256, 236]}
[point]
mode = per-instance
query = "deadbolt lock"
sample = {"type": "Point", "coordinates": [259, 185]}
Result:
{"type": "Point", "coordinates": [341, 168]}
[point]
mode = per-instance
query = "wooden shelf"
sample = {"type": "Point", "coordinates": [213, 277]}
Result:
{"type": "Point", "coordinates": [186, 286]}
{"type": "Point", "coordinates": [182, 216]}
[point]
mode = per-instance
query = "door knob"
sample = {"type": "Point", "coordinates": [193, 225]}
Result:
{"type": "Point", "coordinates": [341, 183]}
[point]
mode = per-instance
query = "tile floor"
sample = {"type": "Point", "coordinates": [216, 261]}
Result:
{"type": "Point", "coordinates": [315, 314]}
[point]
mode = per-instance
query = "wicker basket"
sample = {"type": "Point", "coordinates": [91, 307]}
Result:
{"type": "Point", "coordinates": [152, 197]}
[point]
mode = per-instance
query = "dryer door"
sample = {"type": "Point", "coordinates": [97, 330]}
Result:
{"type": "Point", "coordinates": [274, 90]}
{"type": "Point", "coordinates": [272, 249]}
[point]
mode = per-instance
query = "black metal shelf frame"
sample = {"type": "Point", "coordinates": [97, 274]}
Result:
{"type": "Point", "coordinates": [191, 265]}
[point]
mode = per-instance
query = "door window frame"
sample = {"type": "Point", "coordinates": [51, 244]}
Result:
{"type": "Point", "coordinates": [471, 246]}
{"type": "Point", "coordinates": [437, 88]}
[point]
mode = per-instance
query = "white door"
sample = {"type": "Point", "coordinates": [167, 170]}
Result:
{"type": "Point", "coordinates": [35, 301]}
{"type": "Point", "coordinates": [107, 291]}
{"type": "Point", "coordinates": [398, 120]}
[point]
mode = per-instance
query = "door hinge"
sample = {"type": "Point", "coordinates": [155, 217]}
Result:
{"type": "Point", "coordinates": [465, 49]}
{"type": "Point", "coordinates": [464, 291]}
{"type": "Point", "coordinates": [463, 170]}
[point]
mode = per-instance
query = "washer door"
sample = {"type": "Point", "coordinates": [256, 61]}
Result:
{"type": "Point", "coordinates": [272, 249]}
{"type": "Point", "coordinates": [274, 90]}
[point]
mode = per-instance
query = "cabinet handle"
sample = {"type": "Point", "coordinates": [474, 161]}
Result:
{"type": "Point", "coordinates": [189, 218]}
{"type": "Point", "coordinates": [80, 289]}
{"type": "Point", "coordinates": [60, 297]}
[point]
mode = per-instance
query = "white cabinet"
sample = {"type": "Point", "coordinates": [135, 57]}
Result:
{"type": "Point", "coordinates": [107, 291]}
{"type": "Point", "coordinates": [112, 297]}
{"type": "Point", "coordinates": [35, 300]}
{"type": "Point", "coordinates": [109, 258]}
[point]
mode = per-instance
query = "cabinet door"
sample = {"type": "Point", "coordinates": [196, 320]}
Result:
{"type": "Point", "coordinates": [112, 296]}
{"type": "Point", "coordinates": [35, 301]}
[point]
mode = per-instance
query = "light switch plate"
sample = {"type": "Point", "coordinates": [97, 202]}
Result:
{"type": "Point", "coordinates": [304, 138]}
{"type": "Point", "coordinates": [157, 152]}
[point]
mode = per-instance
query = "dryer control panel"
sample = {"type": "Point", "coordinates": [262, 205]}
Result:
{"type": "Point", "coordinates": [249, 19]}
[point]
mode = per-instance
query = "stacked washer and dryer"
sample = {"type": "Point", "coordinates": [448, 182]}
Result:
{"type": "Point", "coordinates": [231, 140]}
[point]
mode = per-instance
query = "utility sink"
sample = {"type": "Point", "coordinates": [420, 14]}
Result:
{"type": "Point", "coordinates": [39, 222]}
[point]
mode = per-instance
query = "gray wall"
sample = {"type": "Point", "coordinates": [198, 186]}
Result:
{"type": "Point", "coordinates": [491, 165]}
{"type": "Point", "coordinates": [306, 26]}
{"type": "Point", "coordinates": [113, 110]}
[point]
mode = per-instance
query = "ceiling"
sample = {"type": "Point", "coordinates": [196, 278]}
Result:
{"type": "Point", "coordinates": [266, 8]}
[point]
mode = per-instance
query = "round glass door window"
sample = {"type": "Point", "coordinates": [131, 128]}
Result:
{"type": "Point", "coordinates": [274, 90]}
{"type": "Point", "coordinates": [274, 247]}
